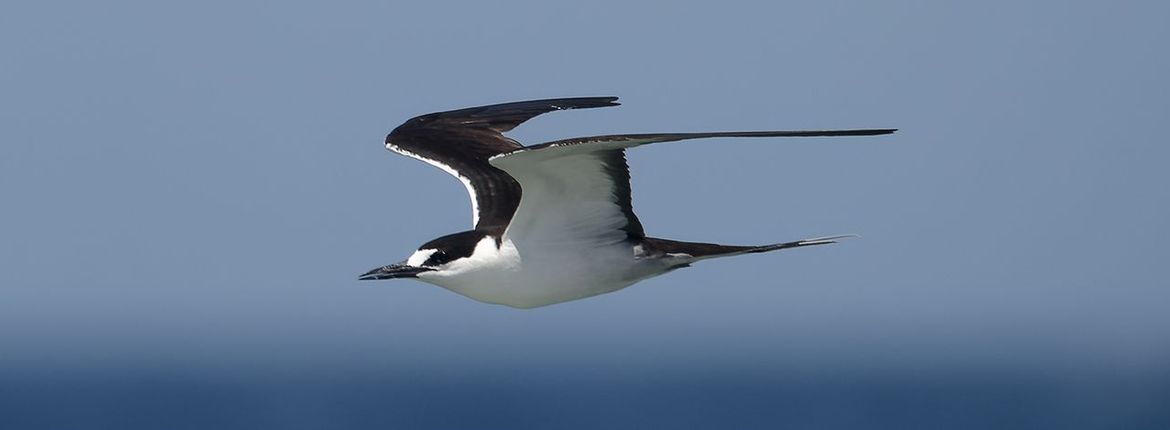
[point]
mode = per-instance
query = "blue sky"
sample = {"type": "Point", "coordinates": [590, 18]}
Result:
{"type": "Point", "coordinates": [198, 186]}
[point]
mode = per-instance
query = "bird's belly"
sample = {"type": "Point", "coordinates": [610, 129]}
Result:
{"type": "Point", "coordinates": [547, 279]}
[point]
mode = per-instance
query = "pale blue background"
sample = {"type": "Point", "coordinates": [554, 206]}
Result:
{"type": "Point", "coordinates": [189, 191]}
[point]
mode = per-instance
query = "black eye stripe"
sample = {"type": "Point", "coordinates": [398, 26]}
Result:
{"type": "Point", "coordinates": [452, 247]}
{"type": "Point", "coordinates": [437, 258]}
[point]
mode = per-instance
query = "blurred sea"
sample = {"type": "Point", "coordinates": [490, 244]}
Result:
{"type": "Point", "coordinates": [161, 398]}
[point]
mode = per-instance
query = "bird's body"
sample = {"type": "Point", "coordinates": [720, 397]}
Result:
{"type": "Point", "coordinates": [553, 222]}
{"type": "Point", "coordinates": [523, 277]}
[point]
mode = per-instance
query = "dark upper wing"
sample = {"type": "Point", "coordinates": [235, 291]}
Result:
{"type": "Point", "coordinates": [632, 140]}
{"type": "Point", "coordinates": [577, 191]}
{"type": "Point", "coordinates": [461, 141]}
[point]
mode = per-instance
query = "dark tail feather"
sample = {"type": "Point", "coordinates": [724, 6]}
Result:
{"type": "Point", "coordinates": [711, 250]}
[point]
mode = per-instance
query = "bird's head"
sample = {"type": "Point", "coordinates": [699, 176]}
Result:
{"type": "Point", "coordinates": [440, 256]}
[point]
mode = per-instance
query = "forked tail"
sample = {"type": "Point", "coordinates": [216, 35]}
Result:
{"type": "Point", "coordinates": [702, 251]}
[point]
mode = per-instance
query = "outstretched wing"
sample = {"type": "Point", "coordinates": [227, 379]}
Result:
{"type": "Point", "coordinates": [460, 142]}
{"type": "Point", "coordinates": [577, 191]}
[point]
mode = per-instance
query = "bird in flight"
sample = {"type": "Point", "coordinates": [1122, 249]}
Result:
{"type": "Point", "coordinates": [552, 222]}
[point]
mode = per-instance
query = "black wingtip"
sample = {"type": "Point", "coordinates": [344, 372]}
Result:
{"type": "Point", "coordinates": [840, 133]}
{"type": "Point", "coordinates": [862, 132]}
{"type": "Point", "coordinates": [582, 102]}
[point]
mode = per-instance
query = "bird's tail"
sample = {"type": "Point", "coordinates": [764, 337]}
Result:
{"type": "Point", "coordinates": [702, 251]}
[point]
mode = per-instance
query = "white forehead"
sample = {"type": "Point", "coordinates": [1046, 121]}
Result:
{"type": "Point", "coordinates": [420, 256]}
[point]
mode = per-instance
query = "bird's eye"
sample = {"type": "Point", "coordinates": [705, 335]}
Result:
{"type": "Point", "coordinates": [436, 258]}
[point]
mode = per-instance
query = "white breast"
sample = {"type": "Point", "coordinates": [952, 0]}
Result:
{"type": "Point", "coordinates": [539, 277]}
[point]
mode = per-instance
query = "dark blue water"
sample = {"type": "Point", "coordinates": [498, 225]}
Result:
{"type": "Point", "coordinates": [179, 399]}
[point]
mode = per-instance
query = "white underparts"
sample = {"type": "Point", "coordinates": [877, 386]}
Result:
{"type": "Point", "coordinates": [542, 274]}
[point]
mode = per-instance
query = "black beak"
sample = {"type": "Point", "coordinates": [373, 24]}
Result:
{"type": "Point", "coordinates": [396, 270]}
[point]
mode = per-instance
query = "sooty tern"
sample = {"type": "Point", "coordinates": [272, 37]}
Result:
{"type": "Point", "coordinates": [551, 222]}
